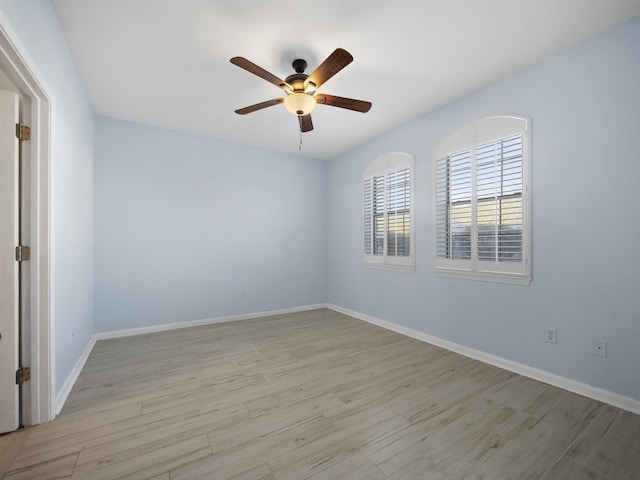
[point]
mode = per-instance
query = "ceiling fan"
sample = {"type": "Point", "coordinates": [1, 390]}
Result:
{"type": "Point", "coordinates": [301, 97]}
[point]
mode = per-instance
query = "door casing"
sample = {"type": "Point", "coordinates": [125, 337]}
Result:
{"type": "Point", "coordinates": [38, 322]}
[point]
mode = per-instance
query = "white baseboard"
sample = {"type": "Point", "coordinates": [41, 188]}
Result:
{"type": "Point", "coordinates": [197, 323]}
{"type": "Point", "coordinates": [605, 396]}
{"type": "Point", "coordinates": [599, 394]}
{"type": "Point", "coordinates": [63, 394]}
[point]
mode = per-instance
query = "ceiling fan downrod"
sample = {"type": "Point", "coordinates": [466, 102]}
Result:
{"type": "Point", "coordinates": [299, 65]}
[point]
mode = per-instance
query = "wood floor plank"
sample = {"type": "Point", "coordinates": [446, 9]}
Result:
{"type": "Point", "coordinates": [264, 448]}
{"type": "Point", "coordinates": [100, 437]}
{"type": "Point", "coordinates": [582, 447]}
{"type": "Point", "coordinates": [332, 449]}
{"type": "Point", "coordinates": [79, 422]}
{"type": "Point", "coordinates": [535, 450]}
{"type": "Point", "coordinates": [315, 395]}
{"type": "Point", "coordinates": [56, 469]}
{"type": "Point", "coordinates": [10, 446]}
{"type": "Point", "coordinates": [355, 467]}
{"type": "Point", "coordinates": [270, 424]}
{"type": "Point", "coordinates": [500, 435]}
{"type": "Point", "coordinates": [567, 467]}
{"type": "Point", "coordinates": [208, 468]}
{"type": "Point", "coordinates": [163, 476]}
{"type": "Point", "coordinates": [619, 449]}
{"type": "Point", "coordinates": [419, 469]}
{"type": "Point", "coordinates": [143, 463]}
{"type": "Point", "coordinates": [159, 434]}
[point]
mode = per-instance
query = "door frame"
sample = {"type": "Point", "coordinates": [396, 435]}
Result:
{"type": "Point", "coordinates": [37, 344]}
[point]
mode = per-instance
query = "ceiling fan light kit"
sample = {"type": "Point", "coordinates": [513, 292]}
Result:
{"type": "Point", "coordinates": [300, 89]}
{"type": "Point", "coordinates": [300, 103]}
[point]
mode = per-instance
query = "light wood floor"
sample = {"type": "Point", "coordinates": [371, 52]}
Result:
{"type": "Point", "coordinates": [315, 395]}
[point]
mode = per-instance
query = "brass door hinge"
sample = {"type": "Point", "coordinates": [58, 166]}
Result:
{"type": "Point", "coordinates": [23, 374]}
{"type": "Point", "coordinates": [23, 253]}
{"type": "Point", "coordinates": [23, 132]}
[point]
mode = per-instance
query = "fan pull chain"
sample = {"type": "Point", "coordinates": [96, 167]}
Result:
{"type": "Point", "coordinates": [300, 143]}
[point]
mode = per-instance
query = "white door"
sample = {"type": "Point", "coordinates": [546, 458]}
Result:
{"type": "Point", "coordinates": [9, 292]}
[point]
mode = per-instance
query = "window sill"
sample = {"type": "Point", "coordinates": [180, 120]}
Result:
{"type": "Point", "coordinates": [495, 277]}
{"type": "Point", "coordinates": [390, 267]}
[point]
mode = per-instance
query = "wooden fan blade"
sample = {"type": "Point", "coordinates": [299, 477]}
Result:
{"type": "Point", "coordinates": [259, 71]}
{"type": "Point", "coordinates": [335, 62]}
{"type": "Point", "coordinates": [348, 103]}
{"type": "Point", "coordinates": [306, 125]}
{"type": "Point", "coordinates": [259, 106]}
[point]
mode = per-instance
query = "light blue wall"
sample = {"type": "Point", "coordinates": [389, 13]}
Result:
{"type": "Point", "coordinates": [185, 224]}
{"type": "Point", "coordinates": [37, 28]}
{"type": "Point", "coordinates": [585, 110]}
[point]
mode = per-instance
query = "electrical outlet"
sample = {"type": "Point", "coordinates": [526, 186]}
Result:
{"type": "Point", "coordinates": [243, 294]}
{"type": "Point", "coordinates": [552, 335]}
{"type": "Point", "coordinates": [600, 348]}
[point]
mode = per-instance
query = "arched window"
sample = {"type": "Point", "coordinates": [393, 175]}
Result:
{"type": "Point", "coordinates": [387, 185]}
{"type": "Point", "coordinates": [481, 201]}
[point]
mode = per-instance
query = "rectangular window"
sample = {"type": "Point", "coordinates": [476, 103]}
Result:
{"type": "Point", "coordinates": [480, 208]}
{"type": "Point", "coordinates": [387, 212]}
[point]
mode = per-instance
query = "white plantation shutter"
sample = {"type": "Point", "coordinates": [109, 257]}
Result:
{"type": "Point", "coordinates": [453, 206]}
{"type": "Point", "coordinates": [387, 212]}
{"type": "Point", "coordinates": [398, 212]}
{"type": "Point", "coordinates": [374, 215]}
{"type": "Point", "coordinates": [480, 202]}
{"type": "Point", "coordinates": [499, 185]}
{"type": "Point", "coordinates": [378, 215]}
{"type": "Point", "coordinates": [368, 215]}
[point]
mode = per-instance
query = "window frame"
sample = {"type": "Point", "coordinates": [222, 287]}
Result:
{"type": "Point", "coordinates": [383, 166]}
{"type": "Point", "coordinates": [468, 138]}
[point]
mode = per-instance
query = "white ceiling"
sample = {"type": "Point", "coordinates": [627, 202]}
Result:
{"type": "Point", "coordinates": [166, 62]}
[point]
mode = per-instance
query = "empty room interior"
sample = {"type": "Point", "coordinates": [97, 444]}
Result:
{"type": "Point", "coordinates": [289, 240]}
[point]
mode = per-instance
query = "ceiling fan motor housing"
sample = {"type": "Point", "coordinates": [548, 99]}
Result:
{"type": "Point", "coordinates": [296, 81]}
